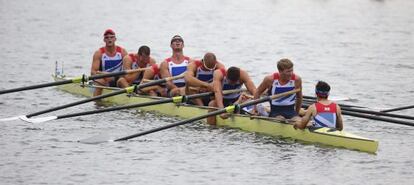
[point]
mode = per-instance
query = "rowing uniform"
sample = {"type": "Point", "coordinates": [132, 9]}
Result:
{"type": "Point", "coordinates": [325, 115]}
{"type": "Point", "coordinates": [111, 63]}
{"type": "Point", "coordinates": [136, 66]}
{"type": "Point", "coordinates": [284, 106]}
{"type": "Point", "coordinates": [229, 99]}
{"type": "Point", "coordinates": [202, 75]}
{"type": "Point", "coordinates": [177, 69]}
{"type": "Point", "coordinates": [205, 76]}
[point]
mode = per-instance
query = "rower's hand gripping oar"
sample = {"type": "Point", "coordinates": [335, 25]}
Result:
{"type": "Point", "coordinates": [228, 109]}
{"type": "Point", "coordinates": [177, 99]}
{"type": "Point", "coordinates": [126, 90]}
{"type": "Point", "coordinates": [79, 79]}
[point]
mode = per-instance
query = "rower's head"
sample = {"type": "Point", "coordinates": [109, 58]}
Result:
{"type": "Point", "coordinates": [177, 43]}
{"type": "Point", "coordinates": [285, 68]}
{"type": "Point", "coordinates": [209, 61]}
{"type": "Point", "coordinates": [109, 37]}
{"type": "Point", "coordinates": [144, 54]}
{"type": "Point", "coordinates": [322, 89]}
{"type": "Point", "coordinates": [233, 74]}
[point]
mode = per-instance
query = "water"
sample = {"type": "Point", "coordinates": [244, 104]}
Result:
{"type": "Point", "coordinates": [364, 49]}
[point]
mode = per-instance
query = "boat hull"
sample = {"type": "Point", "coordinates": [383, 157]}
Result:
{"type": "Point", "coordinates": [266, 126]}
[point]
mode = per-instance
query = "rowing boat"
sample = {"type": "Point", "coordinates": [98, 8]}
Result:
{"type": "Point", "coordinates": [262, 125]}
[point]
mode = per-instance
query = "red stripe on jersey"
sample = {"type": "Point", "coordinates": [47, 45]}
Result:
{"type": "Point", "coordinates": [325, 108]}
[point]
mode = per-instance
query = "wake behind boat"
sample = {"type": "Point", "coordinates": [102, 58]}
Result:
{"type": "Point", "coordinates": [262, 125]}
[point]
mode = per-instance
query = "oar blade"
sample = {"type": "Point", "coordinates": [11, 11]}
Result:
{"type": "Point", "coordinates": [11, 118]}
{"type": "Point", "coordinates": [101, 138]}
{"type": "Point", "coordinates": [38, 120]}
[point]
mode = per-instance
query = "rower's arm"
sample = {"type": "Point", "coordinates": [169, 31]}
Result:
{"type": "Point", "coordinates": [124, 53]}
{"type": "Point", "coordinates": [248, 82]}
{"type": "Point", "coordinates": [266, 83]}
{"type": "Point", "coordinates": [165, 73]}
{"type": "Point", "coordinates": [96, 62]}
{"type": "Point", "coordinates": [190, 78]}
{"type": "Point", "coordinates": [299, 95]}
{"type": "Point", "coordinates": [306, 118]}
{"type": "Point", "coordinates": [218, 87]}
{"type": "Point", "coordinates": [339, 121]}
{"type": "Point", "coordinates": [126, 63]}
{"type": "Point", "coordinates": [152, 61]}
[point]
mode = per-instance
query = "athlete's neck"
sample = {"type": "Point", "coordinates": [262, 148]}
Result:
{"type": "Point", "coordinates": [110, 49]}
{"type": "Point", "coordinates": [177, 57]}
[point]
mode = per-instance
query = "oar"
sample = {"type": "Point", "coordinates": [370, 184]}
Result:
{"type": "Point", "coordinates": [177, 99]}
{"type": "Point", "coordinates": [229, 109]}
{"type": "Point", "coordinates": [126, 90]}
{"type": "Point", "coordinates": [79, 79]}
{"type": "Point", "coordinates": [367, 116]}
{"type": "Point", "coordinates": [399, 108]}
{"type": "Point", "coordinates": [342, 105]}
{"type": "Point", "coordinates": [374, 112]}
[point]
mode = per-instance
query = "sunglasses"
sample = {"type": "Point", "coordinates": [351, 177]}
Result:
{"type": "Point", "coordinates": [109, 37]}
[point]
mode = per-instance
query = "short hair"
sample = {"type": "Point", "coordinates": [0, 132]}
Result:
{"type": "Point", "coordinates": [144, 50]}
{"type": "Point", "coordinates": [209, 58]}
{"type": "Point", "coordinates": [233, 74]}
{"type": "Point", "coordinates": [283, 64]}
{"type": "Point", "coordinates": [322, 89]}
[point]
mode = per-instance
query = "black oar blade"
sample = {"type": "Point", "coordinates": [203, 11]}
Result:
{"type": "Point", "coordinates": [101, 138]}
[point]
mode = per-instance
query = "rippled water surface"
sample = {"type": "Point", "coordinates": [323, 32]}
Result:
{"type": "Point", "coordinates": [364, 48]}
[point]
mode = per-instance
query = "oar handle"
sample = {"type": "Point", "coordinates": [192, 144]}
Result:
{"type": "Point", "coordinates": [268, 98]}
{"type": "Point", "coordinates": [175, 77]}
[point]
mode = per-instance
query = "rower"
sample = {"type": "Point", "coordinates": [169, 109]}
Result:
{"type": "Point", "coordinates": [107, 59]}
{"type": "Point", "coordinates": [141, 59]}
{"type": "Point", "coordinates": [199, 77]}
{"type": "Point", "coordinates": [282, 81]}
{"type": "Point", "coordinates": [175, 65]}
{"type": "Point", "coordinates": [153, 73]}
{"type": "Point", "coordinates": [324, 112]}
{"type": "Point", "coordinates": [233, 78]}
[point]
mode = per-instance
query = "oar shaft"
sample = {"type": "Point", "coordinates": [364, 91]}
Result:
{"type": "Point", "coordinates": [35, 86]}
{"type": "Point", "coordinates": [78, 103]}
{"type": "Point", "coordinates": [376, 113]}
{"type": "Point", "coordinates": [399, 108]}
{"type": "Point", "coordinates": [180, 99]}
{"type": "Point", "coordinates": [104, 75]}
{"type": "Point", "coordinates": [361, 115]}
{"type": "Point", "coordinates": [342, 105]}
{"type": "Point", "coordinates": [116, 108]}
{"type": "Point", "coordinates": [172, 125]}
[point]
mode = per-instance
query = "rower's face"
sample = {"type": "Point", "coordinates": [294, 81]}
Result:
{"type": "Point", "coordinates": [144, 58]}
{"type": "Point", "coordinates": [177, 44]}
{"type": "Point", "coordinates": [109, 39]}
{"type": "Point", "coordinates": [286, 73]}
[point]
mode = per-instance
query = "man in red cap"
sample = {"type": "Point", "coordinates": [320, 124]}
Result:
{"type": "Point", "coordinates": [106, 60]}
{"type": "Point", "coordinates": [175, 65]}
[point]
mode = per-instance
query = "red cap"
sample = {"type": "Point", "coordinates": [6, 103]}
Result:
{"type": "Point", "coordinates": [109, 31]}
